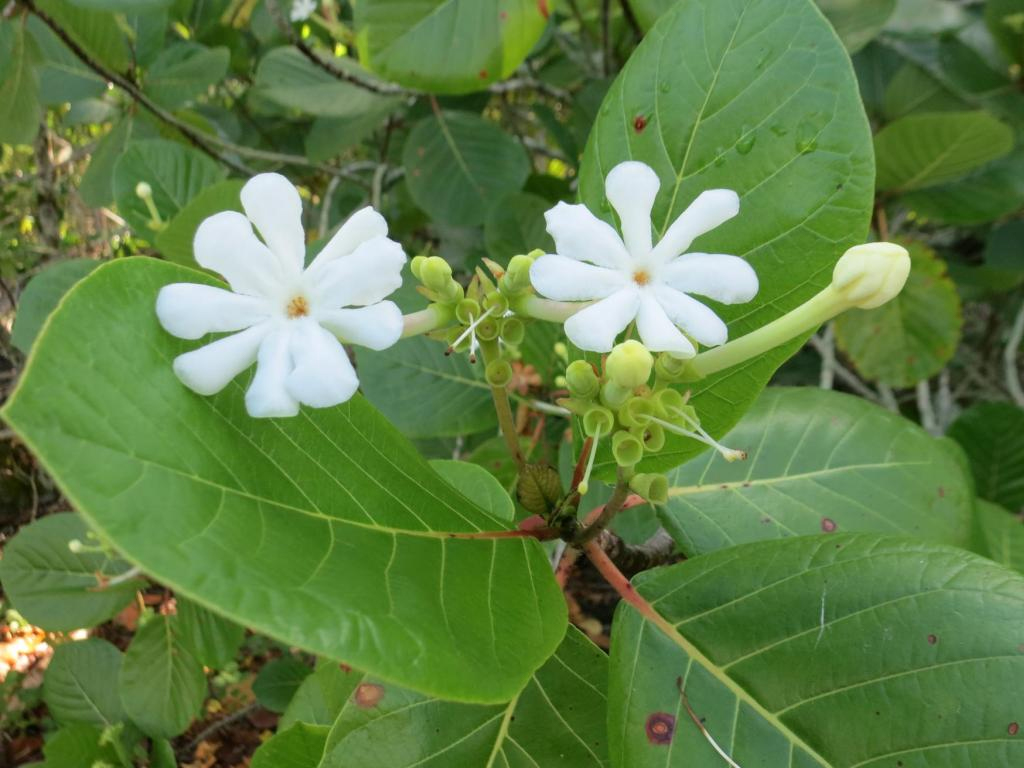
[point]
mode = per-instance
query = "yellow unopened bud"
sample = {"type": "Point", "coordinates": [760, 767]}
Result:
{"type": "Point", "coordinates": [629, 364]}
{"type": "Point", "coordinates": [869, 275]}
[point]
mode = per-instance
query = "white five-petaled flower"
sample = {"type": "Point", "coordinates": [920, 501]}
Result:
{"type": "Point", "coordinates": [632, 278]}
{"type": "Point", "coordinates": [289, 319]}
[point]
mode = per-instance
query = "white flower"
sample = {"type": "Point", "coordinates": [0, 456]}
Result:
{"type": "Point", "coordinates": [289, 319]}
{"type": "Point", "coordinates": [302, 9]}
{"type": "Point", "coordinates": [636, 280]}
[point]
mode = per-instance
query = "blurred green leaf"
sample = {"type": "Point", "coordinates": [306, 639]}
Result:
{"type": "Point", "coordinates": [912, 90]}
{"type": "Point", "coordinates": [19, 84]}
{"type": "Point", "coordinates": [857, 22]}
{"type": "Point", "coordinates": [62, 76]}
{"type": "Point", "coordinates": [1005, 20]}
{"type": "Point", "coordinates": [927, 17]}
{"type": "Point", "coordinates": [1004, 248]}
{"type": "Point", "coordinates": [278, 681]}
{"type": "Point", "coordinates": [95, 31]}
{"type": "Point", "coordinates": [992, 435]}
{"type": "Point", "coordinates": [41, 296]}
{"type": "Point", "coordinates": [991, 192]}
{"type": "Point", "coordinates": [515, 224]}
{"type": "Point", "coordinates": [1002, 534]}
{"type": "Point", "coordinates": [183, 71]}
{"type": "Point", "coordinates": [97, 186]}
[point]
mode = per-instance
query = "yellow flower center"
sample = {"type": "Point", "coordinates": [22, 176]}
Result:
{"type": "Point", "coordinates": [641, 277]}
{"type": "Point", "coordinates": [297, 307]}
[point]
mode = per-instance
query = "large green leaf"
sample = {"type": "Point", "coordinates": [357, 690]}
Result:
{"type": "Point", "coordinates": [174, 172]}
{"type": "Point", "coordinates": [853, 651]}
{"type": "Point", "coordinates": [425, 393]}
{"type": "Point", "coordinates": [912, 337]}
{"type": "Point", "coordinates": [19, 84]}
{"type": "Point", "coordinates": [326, 531]}
{"type": "Point", "coordinates": [992, 436]}
{"type": "Point", "coordinates": [756, 96]}
{"type": "Point", "coordinates": [55, 588]}
{"type": "Point", "coordinates": [42, 295]}
{"type": "Point", "coordinates": [457, 165]}
{"type": "Point", "coordinates": [923, 150]}
{"type": "Point", "coordinates": [162, 686]}
{"type": "Point", "coordinates": [184, 71]}
{"type": "Point", "coordinates": [819, 461]}
{"type": "Point", "coordinates": [1002, 534]}
{"type": "Point", "coordinates": [80, 683]}
{"type": "Point", "coordinates": [470, 44]}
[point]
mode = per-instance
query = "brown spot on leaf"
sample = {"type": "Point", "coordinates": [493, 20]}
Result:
{"type": "Point", "coordinates": [503, 15]}
{"type": "Point", "coordinates": [639, 123]}
{"type": "Point", "coordinates": [932, 639]}
{"type": "Point", "coordinates": [482, 74]}
{"type": "Point", "coordinates": [1013, 729]}
{"type": "Point", "coordinates": [659, 728]}
{"type": "Point", "coordinates": [368, 695]}
{"type": "Point", "coordinates": [345, 668]}
{"type": "Point", "coordinates": [828, 524]}
{"type": "Point", "coordinates": [942, 492]}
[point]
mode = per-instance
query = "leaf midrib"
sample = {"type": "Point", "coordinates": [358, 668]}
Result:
{"type": "Point", "coordinates": [689, 490]}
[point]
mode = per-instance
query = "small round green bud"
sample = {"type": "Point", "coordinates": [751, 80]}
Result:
{"type": "Point", "coordinates": [466, 311]}
{"type": "Point", "coordinates": [143, 190]}
{"type": "Point", "coordinates": [652, 487]}
{"type": "Point", "coordinates": [561, 350]}
{"type": "Point", "coordinates": [498, 373]}
{"type": "Point", "coordinates": [598, 421]}
{"type": "Point", "coordinates": [75, 546]}
{"type": "Point", "coordinates": [651, 435]}
{"type": "Point", "coordinates": [615, 396]}
{"type": "Point", "coordinates": [487, 329]}
{"type": "Point", "coordinates": [517, 277]}
{"type": "Point", "coordinates": [416, 265]}
{"type": "Point", "coordinates": [629, 364]}
{"type": "Point", "coordinates": [496, 302]}
{"type": "Point", "coordinates": [667, 401]}
{"type": "Point", "coordinates": [626, 449]}
{"type": "Point", "coordinates": [636, 412]}
{"type": "Point", "coordinates": [513, 331]}
{"type": "Point", "coordinates": [582, 379]}
{"type": "Point", "coordinates": [436, 273]}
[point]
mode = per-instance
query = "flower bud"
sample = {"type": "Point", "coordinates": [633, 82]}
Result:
{"type": "Point", "coordinates": [652, 487]}
{"type": "Point", "coordinates": [581, 380]}
{"type": "Point", "coordinates": [436, 273]}
{"type": "Point", "coordinates": [651, 435]}
{"type": "Point", "coordinates": [498, 373]}
{"type": "Point", "coordinates": [627, 449]}
{"type": "Point", "coordinates": [517, 277]}
{"type": "Point", "coordinates": [143, 190]}
{"type": "Point", "coordinates": [416, 265]}
{"type": "Point", "coordinates": [513, 331]}
{"type": "Point", "coordinates": [466, 311]}
{"type": "Point", "coordinates": [671, 367]}
{"type": "Point", "coordinates": [598, 421]}
{"type": "Point", "coordinates": [867, 276]}
{"type": "Point", "coordinates": [629, 364]}
{"type": "Point", "coordinates": [452, 293]}
{"type": "Point", "coordinates": [615, 396]}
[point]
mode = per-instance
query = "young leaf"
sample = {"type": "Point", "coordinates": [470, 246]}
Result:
{"type": "Point", "coordinates": [757, 96]}
{"type": "Point", "coordinates": [914, 648]}
{"type": "Point", "coordinates": [41, 296]}
{"type": "Point", "coordinates": [992, 436]}
{"type": "Point", "coordinates": [80, 683]}
{"type": "Point", "coordinates": [330, 519]}
{"type": "Point", "coordinates": [55, 588]}
{"type": "Point", "coordinates": [818, 462]}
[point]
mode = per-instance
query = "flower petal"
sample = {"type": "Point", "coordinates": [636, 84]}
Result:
{"type": "Point", "coordinates": [267, 396]}
{"type": "Point", "coordinates": [273, 205]}
{"type": "Point", "coordinates": [377, 326]}
{"type": "Point", "coordinates": [711, 208]}
{"type": "Point", "coordinates": [694, 318]}
{"type": "Point", "coordinates": [631, 188]}
{"type": "Point", "coordinates": [190, 311]}
{"type": "Point", "coordinates": [323, 375]}
{"type": "Point", "coordinates": [580, 235]}
{"type": "Point", "coordinates": [563, 279]}
{"type": "Point", "coordinates": [657, 332]}
{"type": "Point", "coordinates": [595, 328]}
{"type": "Point", "coordinates": [365, 276]}
{"type": "Point", "coordinates": [724, 278]}
{"type": "Point", "coordinates": [365, 224]}
{"type": "Point", "coordinates": [226, 244]}
{"type": "Point", "coordinates": [209, 369]}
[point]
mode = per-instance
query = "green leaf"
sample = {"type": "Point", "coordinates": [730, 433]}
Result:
{"type": "Point", "coordinates": [857, 22]}
{"type": "Point", "coordinates": [79, 683]}
{"type": "Point", "coordinates": [97, 187]}
{"type": "Point", "coordinates": [175, 240]}
{"type": "Point", "coordinates": [911, 337]}
{"type": "Point", "coordinates": [76, 745]}
{"type": "Point", "coordinates": [515, 224]}
{"type": "Point", "coordinates": [1004, 248]}
{"type": "Point", "coordinates": [298, 746]}
{"type": "Point", "coordinates": [912, 647]}
{"type": "Point", "coordinates": [913, 90]}
{"type": "Point", "coordinates": [649, 11]}
{"type": "Point", "coordinates": [96, 32]}
{"type": "Point", "coordinates": [819, 461]}
{"type": "Point", "coordinates": [261, 520]}
{"type": "Point", "coordinates": [1002, 534]}
{"type": "Point", "coordinates": [41, 296]}
{"type": "Point", "coordinates": [19, 85]}
{"type": "Point", "coordinates": [557, 719]}
{"type": "Point", "coordinates": [56, 589]}
{"type": "Point", "coordinates": [321, 695]}
{"type": "Point", "coordinates": [212, 639]}
{"type": "Point", "coordinates": [992, 436]}
{"type": "Point", "coordinates": [927, 17]}
{"type": "Point", "coordinates": [175, 173]}
{"type": "Point", "coordinates": [330, 136]}
{"type": "Point", "coordinates": [923, 150]}
{"type": "Point", "coordinates": [756, 96]}
{"type": "Point", "coordinates": [162, 685]}
{"type": "Point", "coordinates": [122, 6]}
{"type": "Point", "coordinates": [458, 164]}
{"type": "Point", "coordinates": [472, 44]}
{"type": "Point", "coordinates": [278, 681]}
{"type": "Point", "coordinates": [987, 194]}
{"type": "Point", "coordinates": [476, 483]}
{"type": "Point", "coordinates": [62, 75]}
{"type": "Point", "coordinates": [425, 393]}
{"type": "Point", "coordinates": [287, 78]}
{"type": "Point", "coordinates": [184, 71]}
{"type": "Point", "coordinates": [1005, 20]}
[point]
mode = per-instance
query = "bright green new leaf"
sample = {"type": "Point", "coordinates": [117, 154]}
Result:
{"type": "Point", "coordinates": [80, 683]}
{"type": "Point", "coordinates": [992, 436]}
{"type": "Point", "coordinates": [911, 337]}
{"type": "Point", "coordinates": [55, 588]}
{"type": "Point", "coordinates": [757, 96]}
{"type": "Point", "coordinates": [819, 461]}
{"type": "Point", "coordinates": [923, 150]}
{"type": "Point", "coordinates": [470, 44]}
{"type": "Point", "coordinates": [326, 531]}
{"type": "Point", "coordinates": [175, 241]}
{"type": "Point", "coordinates": [19, 84]}
{"type": "Point", "coordinates": [1002, 534]}
{"type": "Point", "coordinates": [852, 651]}
{"type": "Point", "coordinates": [212, 639]}
{"type": "Point", "coordinates": [458, 165]}
{"type": "Point", "coordinates": [162, 686]}
{"type": "Point", "coordinates": [41, 296]}
{"type": "Point", "coordinates": [184, 71]}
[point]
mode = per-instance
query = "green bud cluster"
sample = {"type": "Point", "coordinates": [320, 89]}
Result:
{"type": "Point", "coordinates": [516, 279]}
{"type": "Point", "coordinates": [436, 276]}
